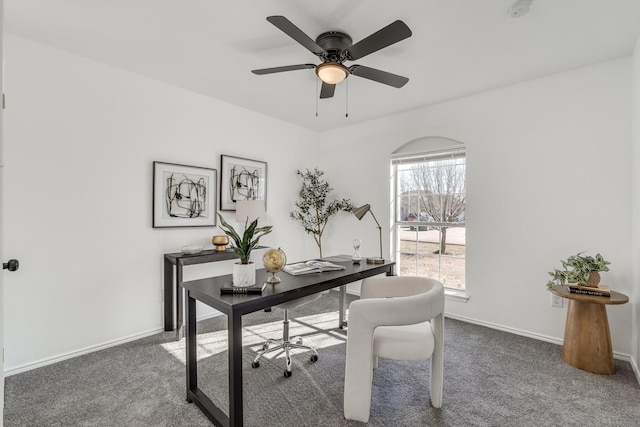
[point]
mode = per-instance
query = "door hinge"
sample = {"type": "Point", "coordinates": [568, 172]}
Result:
{"type": "Point", "coordinates": [3, 107]}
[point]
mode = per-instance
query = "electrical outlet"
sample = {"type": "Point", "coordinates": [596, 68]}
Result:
{"type": "Point", "coordinates": [556, 301]}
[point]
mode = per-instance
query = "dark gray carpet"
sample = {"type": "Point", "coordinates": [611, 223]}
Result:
{"type": "Point", "coordinates": [492, 378]}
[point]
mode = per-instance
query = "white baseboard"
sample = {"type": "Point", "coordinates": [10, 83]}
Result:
{"type": "Point", "coordinates": [616, 355]}
{"type": "Point", "coordinates": [208, 316]}
{"type": "Point", "coordinates": [59, 358]}
{"type": "Point", "coordinates": [504, 328]}
{"type": "Point", "coordinates": [634, 366]}
{"type": "Point", "coordinates": [51, 360]}
{"type": "Point", "coordinates": [69, 355]}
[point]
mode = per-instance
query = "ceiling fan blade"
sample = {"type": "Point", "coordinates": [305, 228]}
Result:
{"type": "Point", "coordinates": [327, 90]}
{"type": "Point", "coordinates": [296, 33]}
{"type": "Point", "coordinates": [378, 76]}
{"type": "Point", "coordinates": [387, 36]}
{"type": "Point", "coordinates": [281, 69]}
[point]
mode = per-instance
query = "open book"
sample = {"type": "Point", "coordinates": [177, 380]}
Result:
{"type": "Point", "coordinates": [313, 266]}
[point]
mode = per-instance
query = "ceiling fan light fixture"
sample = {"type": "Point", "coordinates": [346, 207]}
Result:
{"type": "Point", "coordinates": [332, 72]}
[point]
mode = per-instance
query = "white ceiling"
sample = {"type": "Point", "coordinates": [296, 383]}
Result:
{"type": "Point", "coordinates": [458, 47]}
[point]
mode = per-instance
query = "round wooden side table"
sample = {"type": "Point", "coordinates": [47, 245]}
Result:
{"type": "Point", "coordinates": [587, 340]}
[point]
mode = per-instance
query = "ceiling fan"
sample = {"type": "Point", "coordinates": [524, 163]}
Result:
{"type": "Point", "coordinates": [335, 47]}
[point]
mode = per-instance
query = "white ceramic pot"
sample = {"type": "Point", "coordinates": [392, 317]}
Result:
{"type": "Point", "coordinates": [244, 274]}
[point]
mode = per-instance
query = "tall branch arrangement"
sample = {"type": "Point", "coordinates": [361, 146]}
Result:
{"type": "Point", "coordinates": [313, 210]}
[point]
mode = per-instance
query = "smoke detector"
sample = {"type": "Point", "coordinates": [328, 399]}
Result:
{"type": "Point", "coordinates": [520, 8]}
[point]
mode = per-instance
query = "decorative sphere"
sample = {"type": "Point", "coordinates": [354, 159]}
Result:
{"type": "Point", "coordinates": [274, 260]}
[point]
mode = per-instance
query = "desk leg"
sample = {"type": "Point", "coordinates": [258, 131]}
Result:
{"type": "Point", "coordinates": [235, 369]}
{"type": "Point", "coordinates": [191, 347]}
{"type": "Point", "coordinates": [168, 295]}
{"type": "Point", "coordinates": [342, 321]}
{"type": "Point", "coordinates": [179, 302]}
{"type": "Point", "coordinates": [587, 340]}
{"type": "Point", "coordinates": [391, 270]}
{"type": "Point", "coordinates": [194, 394]}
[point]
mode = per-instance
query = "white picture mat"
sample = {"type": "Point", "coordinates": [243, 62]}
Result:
{"type": "Point", "coordinates": [241, 179]}
{"type": "Point", "coordinates": [193, 192]}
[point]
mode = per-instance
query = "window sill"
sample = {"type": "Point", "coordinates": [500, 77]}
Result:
{"type": "Point", "coordinates": [453, 295]}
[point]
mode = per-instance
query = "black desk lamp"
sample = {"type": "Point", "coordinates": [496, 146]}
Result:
{"type": "Point", "coordinates": [359, 213]}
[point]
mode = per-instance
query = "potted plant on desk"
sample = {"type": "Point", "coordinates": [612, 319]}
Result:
{"type": "Point", "coordinates": [580, 269]}
{"type": "Point", "coordinates": [244, 272]}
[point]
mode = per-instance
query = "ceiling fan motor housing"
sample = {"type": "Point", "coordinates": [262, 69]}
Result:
{"type": "Point", "coordinates": [334, 43]}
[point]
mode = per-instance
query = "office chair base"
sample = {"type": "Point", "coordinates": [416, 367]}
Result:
{"type": "Point", "coordinates": [284, 344]}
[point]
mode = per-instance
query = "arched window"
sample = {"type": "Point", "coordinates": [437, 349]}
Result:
{"type": "Point", "coordinates": [429, 189]}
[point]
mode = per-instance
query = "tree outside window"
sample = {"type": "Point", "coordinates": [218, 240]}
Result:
{"type": "Point", "coordinates": [430, 218]}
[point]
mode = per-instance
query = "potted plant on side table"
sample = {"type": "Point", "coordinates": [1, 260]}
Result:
{"type": "Point", "coordinates": [244, 272]}
{"type": "Point", "coordinates": [581, 269]}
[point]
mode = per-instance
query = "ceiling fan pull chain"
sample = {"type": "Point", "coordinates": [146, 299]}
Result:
{"type": "Point", "coordinates": [346, 108]}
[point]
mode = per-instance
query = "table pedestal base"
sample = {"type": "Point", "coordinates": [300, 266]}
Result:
{"type": "Point", "coordinates": [587, 340]}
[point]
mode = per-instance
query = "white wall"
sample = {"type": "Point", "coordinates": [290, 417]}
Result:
{"type": "Point", "coordinates": [548, 175]}
{"type": "Point", "coordinates": [80, 139]}
{"type": "Point", "coordinates": [1, 218]}
{"type": "Point", "coordinates": [635, 279]}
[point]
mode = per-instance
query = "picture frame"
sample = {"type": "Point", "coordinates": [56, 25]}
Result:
{"type": "Point", "coordinates": [184, 196]}
{"type": "Point", "coordinates": [241, 179]}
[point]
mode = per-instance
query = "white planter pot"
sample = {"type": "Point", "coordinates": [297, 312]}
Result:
{"type": "Point", "coordinates": [244, 274]}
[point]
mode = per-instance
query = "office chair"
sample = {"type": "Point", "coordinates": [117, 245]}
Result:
{"type": "Point", "coordinates": [398, 318]}
{"type": "Point", "coordinates": [287, 343]}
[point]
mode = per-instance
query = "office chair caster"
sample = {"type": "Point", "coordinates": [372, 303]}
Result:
{"type": "Point", "coordinates": [285, 344]}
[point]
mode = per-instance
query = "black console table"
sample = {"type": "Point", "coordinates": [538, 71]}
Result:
{"type": "Point", "coordinates": [235, 306]}
{"type": "Point", "coordinates": [172, 286]}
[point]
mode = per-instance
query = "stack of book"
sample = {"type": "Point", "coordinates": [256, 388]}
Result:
{"type": "Point", "coordinates": [228, 288]}
{"type": "Point", "coordinates": [600, 290]}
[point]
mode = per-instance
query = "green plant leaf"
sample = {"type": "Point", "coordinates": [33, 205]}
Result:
{"type": "Point", "coordinates": [576, 269]}
{"type": "Point", "coordinates": [250, 238]}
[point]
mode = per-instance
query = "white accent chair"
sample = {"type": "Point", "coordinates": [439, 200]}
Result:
{"type": "Point", "coordinates": [398, 318]}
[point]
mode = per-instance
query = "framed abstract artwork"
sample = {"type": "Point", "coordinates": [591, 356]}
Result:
{"type": "Point", "coordinates": [183, 196]}
{"type": "Point", "coordinates": [241, 179]}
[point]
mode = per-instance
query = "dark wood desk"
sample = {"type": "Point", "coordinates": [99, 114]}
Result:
{"type": "Point", "coordinates": [235, 306]}
{"type": "Point", "coordinates": [587, 339]}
